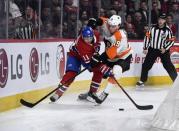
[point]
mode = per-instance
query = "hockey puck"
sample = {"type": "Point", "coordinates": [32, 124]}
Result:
{"type": "Point", "coordinates": [121, 109]}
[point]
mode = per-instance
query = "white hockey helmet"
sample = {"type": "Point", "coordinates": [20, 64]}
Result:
{"type": "Point", "coordinates": [114, 20]}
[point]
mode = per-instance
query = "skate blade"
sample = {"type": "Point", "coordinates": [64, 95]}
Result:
{"type": "Point", "coordinates": [88, 101]}
{"type": "Point", "coordinates": [140, 88]}
{"type": "Point", "coordinates": [50, 102]}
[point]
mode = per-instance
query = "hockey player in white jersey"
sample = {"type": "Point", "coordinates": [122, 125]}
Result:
{"type": "Point", "coordinates": [118, 52]}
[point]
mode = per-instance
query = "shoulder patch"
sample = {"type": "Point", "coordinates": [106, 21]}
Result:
{"type": "Point", "coordinates": [118, 36]}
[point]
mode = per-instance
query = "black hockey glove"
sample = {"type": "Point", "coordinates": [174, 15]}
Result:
{"type": "Point", "coordinates": [107, 43]}
{"type": "Point", "coordinates": [95, 60]}
{"type": "Point", "coordinates": [94, 23]}
{"type": "Point", "coordinates": [99, 22]}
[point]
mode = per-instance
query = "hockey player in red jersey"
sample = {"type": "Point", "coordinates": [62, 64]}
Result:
{"type": "Point", "coordinates": [117, 55]}
{"type": "Point", "coordinates": [83, 52]}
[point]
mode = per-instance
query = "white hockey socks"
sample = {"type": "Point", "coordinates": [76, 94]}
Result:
{"type": "Point", "coordinates": [108, 87]}
{"type": "Point", "coordinates": [117, 70]}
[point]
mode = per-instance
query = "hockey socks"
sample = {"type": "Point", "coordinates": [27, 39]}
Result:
{"type": "Point", "coordinates": [58, 93]}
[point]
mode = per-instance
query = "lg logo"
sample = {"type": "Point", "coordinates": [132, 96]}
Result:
{"type": "Point", "coordinates": [3, 68]}
{"type": "Point", "coordinates": [37, 64]}
{"type": "Point", "coordinates": [34, 64]}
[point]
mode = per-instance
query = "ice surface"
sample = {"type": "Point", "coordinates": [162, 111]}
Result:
{"type": "Point", "coordinates": [70, 114]}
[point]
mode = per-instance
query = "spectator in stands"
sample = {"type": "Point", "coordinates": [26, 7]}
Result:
{"type": "Point", "coordinates": [51, 10]}
{"type": "Point", "coordinates": [46, 15]}
{"type": "Point", "coordinates": [146, 28]}
{"type": "Point", "coordinates": [158, 3]}
{"type": "Point", "coordinates": [166, 6]}
{"type": "Point", "coordinates": [68, 3]}
{"type": "Point", "coordinates": [2, 27]}
{"type": "Point", "coordinates": [96, 5]}
{"type": "Point", "coordinates": [56, 22]}
{"type": "Point", "coordinates": [130, 31]}
{"type": "Point", "coordinates": [171, 24]}
{"type": "Point", "coordinates": [117, 6]}
{"type": "Point", "coordinates": [136, 4]}
{"type": "Point", "coordinates": [102, 12]}
{"type": "Point", "coordinates": [84, 18]}
{"type": "Point", "coordinates": [105, 4]}
{"type": "Point", "coordinates": [65, 30]}
{"type": "Point", "coordinates": [86, 5]}
{"type": "Point", "coordinates": [139, 25]}
{"type": "Point", "coordinates": [175, 13]}
{"type": "Point", "coordinates": [68, 6]}
{"type": "Point", "coordinates": [131, 6]}
{"type": "Point", "coordinates": [47, 31]}
{"type": "Point", "coordinates": [57, 31]}
{"type": "Point", "coordinates": [143, 10]}
{"type": "Point", "coordinates": [155, 12]}
{"type": "Point", "coordinates": [11, 25]}
{"type": "Point", "coordinates": [129, 20]}
{"type": "Point", "coordinates": [56, 3]}
{"type": "Point", "coordinates": [14, 10]}
{"type": "Point", "coordinates": [24, 30]}
{"type": "Point", "coordinates": [2, 8]}
{"type": "Point", "coordinates": [22, 4]}
{"type": "Point", "coordinates": [72, 25]}
{"type": "Point", "coordinates": [2, 21]}
{"type": "Point", "coordinates": [120, 8]}
{"type": "Point", "coordinates": [31, 17]}
{"type": "Point", "coordinates": [29, 14]}
{"type": "Point", "coordinates": [56, 16]}
{"type": "Point", "coordinates": [110, 13]}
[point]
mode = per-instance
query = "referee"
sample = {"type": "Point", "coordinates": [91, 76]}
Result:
{"type": "Point", "coordinates": [24, 30]}
{"type": "Point", "coordinates": [157, 43]}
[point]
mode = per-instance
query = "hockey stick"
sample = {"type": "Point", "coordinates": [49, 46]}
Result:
{"type": "Point", "coordinates": [140, 107]}
{"type": "Point", "coordinates": [29, 104]}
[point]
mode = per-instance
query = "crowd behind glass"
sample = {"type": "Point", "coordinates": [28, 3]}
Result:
{"type": "Point", "coordinates": [64, 18]}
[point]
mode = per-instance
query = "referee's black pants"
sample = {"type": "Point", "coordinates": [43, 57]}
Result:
{"type": "Point", "coordinates": [150, 60]}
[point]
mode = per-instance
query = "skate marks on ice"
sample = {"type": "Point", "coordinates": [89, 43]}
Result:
{"type": "Point", "coordinates": [54, 120]}
{"type": "Point", "coordinates": [152, 88]}
{"type": "Point", "coordinates": [82, 105]}
{"type": "Point", "coordinates": [69, 102]}
{"type": "Point", "coordinates": [68, 114]}
{"type": "Point", "coordinates": [157, 129]}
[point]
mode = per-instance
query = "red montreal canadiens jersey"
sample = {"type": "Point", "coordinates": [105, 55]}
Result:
{"type": "Point", "coordinates": [85, 51]}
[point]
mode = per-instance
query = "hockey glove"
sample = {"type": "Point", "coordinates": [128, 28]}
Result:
{"type": "Point", "coordinates": [106, 71]}
{"type": "Point", "coordinates": [107, 43]}
{"type": "Point", "coordinates": [94, 23]}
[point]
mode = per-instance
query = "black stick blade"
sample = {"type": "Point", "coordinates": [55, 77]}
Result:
{"type": "Point", "coordinates": [27, 104]}
{"type": "Point", "coordinates": [147, 107]}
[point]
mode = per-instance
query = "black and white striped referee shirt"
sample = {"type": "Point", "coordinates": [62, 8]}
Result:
{"type": "Point", "coordinates": [159, 38]}
{"type": "Point", "coordinates": [25, 32]}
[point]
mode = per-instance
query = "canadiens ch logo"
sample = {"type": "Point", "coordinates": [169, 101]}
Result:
{"type": "Point", "coordinates": [3, 68]}
{"type": "Point", "coordinates": [34, 64]}
{"type": "Point", "coordinates": [60, 61]}
{"type": "Point", "coordinates": [175, 60]}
